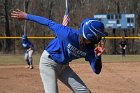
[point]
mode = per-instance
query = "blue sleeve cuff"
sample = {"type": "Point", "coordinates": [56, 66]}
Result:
{"type": "Point", "coordinates": [28, 16]}
{"type": "Point", "coordinates": [98, 57]}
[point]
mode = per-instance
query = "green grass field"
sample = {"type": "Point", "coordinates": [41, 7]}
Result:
{"type": "Point", "coordinates": [16, 59]}
{"type": "Point", "coordinates": [119, 58]}
{"type": "Point", "coordinates": [19, 59]}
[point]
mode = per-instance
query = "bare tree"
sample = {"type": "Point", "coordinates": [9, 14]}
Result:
{"type": "Point", "coordinates": [54, 9]}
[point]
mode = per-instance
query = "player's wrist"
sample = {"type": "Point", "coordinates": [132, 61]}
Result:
{"type": "Point", "coordinates": [98, 56]}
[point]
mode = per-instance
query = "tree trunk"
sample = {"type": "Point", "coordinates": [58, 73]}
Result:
{"type": "Point", "coordinates": [7, 42]}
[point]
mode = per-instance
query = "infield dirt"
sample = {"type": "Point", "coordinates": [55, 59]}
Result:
{"type": "Point", "coordinates": [114, 78]}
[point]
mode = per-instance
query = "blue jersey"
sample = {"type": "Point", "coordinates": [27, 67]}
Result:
{"type": "Point", "coordinates": [26, 44]}
{"type": "Point", "coordinates": [66, 46]}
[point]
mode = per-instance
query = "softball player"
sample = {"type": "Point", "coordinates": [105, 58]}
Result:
{"type": "Point", "coordinates": [29, 51]}
{"type": "Point", "coordinates": [68, 45]}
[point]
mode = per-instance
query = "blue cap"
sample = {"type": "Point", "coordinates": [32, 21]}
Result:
{"type": "Point", "coordinates": [91, 29]}
{"type": "Point", "coordinates": [24, 37]}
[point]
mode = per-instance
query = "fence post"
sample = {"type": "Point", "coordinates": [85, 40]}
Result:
{"type": "Point", "coordinates": [114, 42]}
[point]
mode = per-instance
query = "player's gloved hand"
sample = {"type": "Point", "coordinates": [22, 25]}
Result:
{"type": "Point", "coordinates": [26, 51]}
{"type": "Point", "coordinates": [18, 14]}
{"type": "Point", "coordinates": [29, 49]}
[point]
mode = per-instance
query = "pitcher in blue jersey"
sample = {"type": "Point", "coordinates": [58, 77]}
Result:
{"type": "Point", "coordinates": [29, 51]}
{"type": "Point", "coordinates": [68, 45]}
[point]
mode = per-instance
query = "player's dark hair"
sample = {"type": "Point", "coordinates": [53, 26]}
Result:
{"type": "Point", "coordinates": [83, 43]}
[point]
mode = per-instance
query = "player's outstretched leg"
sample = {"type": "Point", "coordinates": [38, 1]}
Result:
{"type": "Point", "coordinates": [27, 60]}
{"type": "Point", "coordinates": [48, 73]}
{"type": "Point", "coordinates": [73, 81]}
{"type": "Point", "coordinates": [30, 53]}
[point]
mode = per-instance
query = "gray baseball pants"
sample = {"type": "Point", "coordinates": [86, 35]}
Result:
{"type": "Point", "coordinates": [50, 71]}
{"type": "Point", "coordinates": [28, 57]}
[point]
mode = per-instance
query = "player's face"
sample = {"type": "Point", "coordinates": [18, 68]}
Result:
{"type": "Point", "coordinates": [97, 40]}
{"type": "Point", "coordinates": [87, 42]}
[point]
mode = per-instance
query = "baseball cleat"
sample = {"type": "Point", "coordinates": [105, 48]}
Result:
{"type": "Point", "coordinates": [27, 66]}
{"type": "Point", "coordinates": [31, 67]}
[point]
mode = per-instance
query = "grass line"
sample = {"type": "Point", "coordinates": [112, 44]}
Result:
{"type": "Point", "coordinates": [19, 59]}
